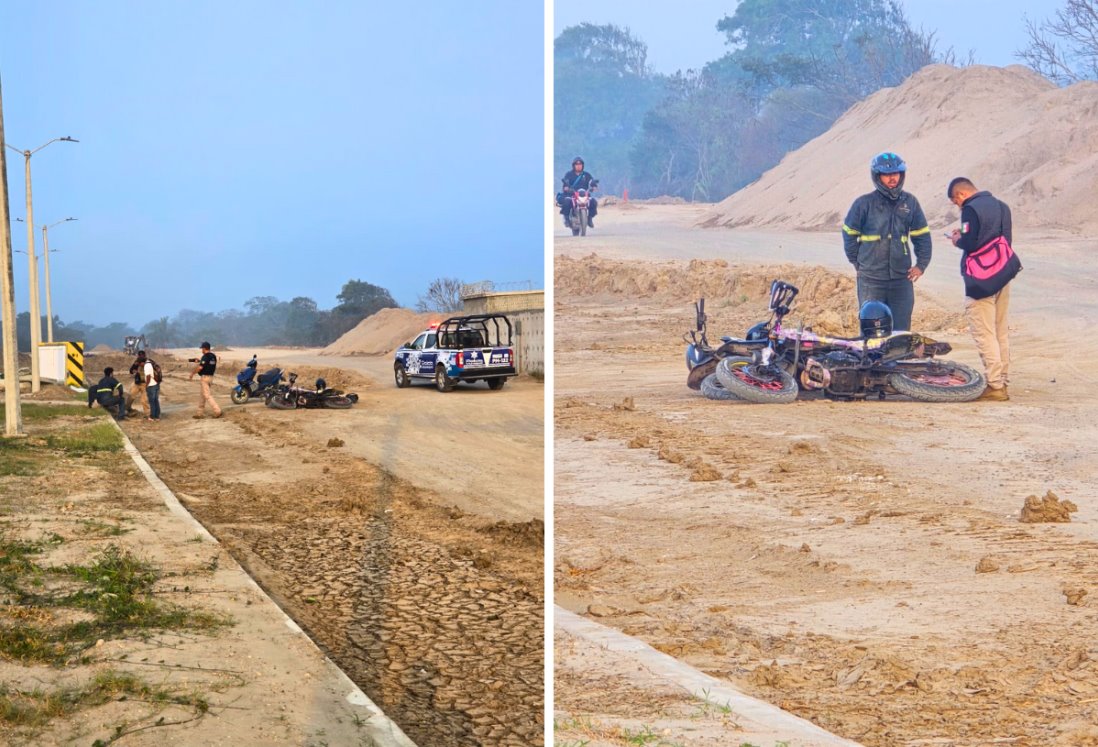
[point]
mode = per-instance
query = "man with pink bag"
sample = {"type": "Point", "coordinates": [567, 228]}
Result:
{"type": "Point", "coordinates": [988, 264]}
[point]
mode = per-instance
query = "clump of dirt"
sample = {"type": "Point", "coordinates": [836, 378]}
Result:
{"type": "Point", "coordinates": [987, 564]}
{"type": "Point", "coordinates": [335, 443]}
{"type": "Point", "coordinates": [1047, 510]}
{"type": "Point", "coordinates": [528, 533]}
{"type": "Point", "coordinates": [382, 332]}
{"type": "Point", "coordinates": [1075, 597]}
{"type": "Point", "coordinates": [639, 441]}
{"type": "Point", "coordinates": [704, 473]}
{"type": "Point", "coordinates": [626, 404]}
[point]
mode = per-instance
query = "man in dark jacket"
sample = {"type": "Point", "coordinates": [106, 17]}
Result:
{"type": "Point", "coordinates": [108, 393]}
{"type": "Point", "coordinates": [137, 391]}
{"type": "Point", "coordinates": [984, 218]}
{"type": "Point", "coordinates": [575, 179]}
{"type": "Point", "coordinates": [879, 234]}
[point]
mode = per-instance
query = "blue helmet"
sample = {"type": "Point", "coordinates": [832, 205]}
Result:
{"type": "Point", "coordinates": [888, 163]}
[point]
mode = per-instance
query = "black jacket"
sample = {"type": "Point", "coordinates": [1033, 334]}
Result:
{"type": "Point", "coordinates": [572, 180]}
{"type": "Point", "coordinates": [137, 370]}
{"type": "Point", "coordinates": [983, 218]}
{"type": "Point", "coordinates": [107, 388]}
{"type": "Point", "coordinates": [877, 234]}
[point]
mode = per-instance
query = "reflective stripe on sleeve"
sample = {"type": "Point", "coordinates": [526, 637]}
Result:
{"type": "Point", "coordinates": [850, 231]}
{"type": "Point", "coordinates": [920, 231]}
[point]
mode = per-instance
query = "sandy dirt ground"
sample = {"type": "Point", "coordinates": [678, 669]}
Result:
{"type": "Point", "coordinates": [402, 535]}
{"type": "Point", "coordinates": [861, 564]}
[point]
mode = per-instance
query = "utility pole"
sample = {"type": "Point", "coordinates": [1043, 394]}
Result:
{"type": "Point", "coordinates": [13, 416]}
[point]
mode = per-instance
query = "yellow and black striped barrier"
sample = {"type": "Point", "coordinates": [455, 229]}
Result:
{"type": "Point", "coordinates": [62, 361]}
{"type": "Point", "coordinates": [74, 364]}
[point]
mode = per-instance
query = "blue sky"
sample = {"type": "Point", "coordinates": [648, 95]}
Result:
{"type": "Point", "coordinates": [236, 149]}
{"type": "Point", "coordinates": [684, 35]}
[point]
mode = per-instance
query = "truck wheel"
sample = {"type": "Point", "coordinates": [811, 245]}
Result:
{"type": "Point", "coordinates": [496, 384]}
{"type": "Point", "coordinates": [443, 382]}
{"type": "Point", "coordinates": [401, 375]}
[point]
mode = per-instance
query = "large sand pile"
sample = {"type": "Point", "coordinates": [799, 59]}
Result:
{"type": "Point", "coordinates": [382, 332]}
{"type": "Point", "coordinates": [1008, 129]}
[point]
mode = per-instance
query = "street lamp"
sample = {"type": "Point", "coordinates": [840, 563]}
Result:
{"type": "Point", "coordinates": [46, 249]}
{"type": "Point", "coordinates": [32, 260]}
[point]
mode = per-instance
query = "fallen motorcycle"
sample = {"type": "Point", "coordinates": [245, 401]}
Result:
{"type": "Point", "coordinates": [248, 385]}
{"type": "Point", "coordinates": [289, 396]}
{"type": "Point", "coordinates": [773, 364]}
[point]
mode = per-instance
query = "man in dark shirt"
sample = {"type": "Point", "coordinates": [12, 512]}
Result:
{"type": "Point", "coordinates": [983, 219]}
{"type": "Point", "coordinates": [108, 393]}
{"type": "Point", "coordinates": [205, 369]}
{"type": "Point", "coordinates": [575, 179]}
{"type": "Point", "coordinates": [137, 391]}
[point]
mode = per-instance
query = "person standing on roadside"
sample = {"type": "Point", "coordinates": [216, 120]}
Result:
{"type": "Point", "coordinates": [152, 389]}
{"type": "Point", "coordinates": [879, 233]}
{"type": "Point", "coordinates": [137, 371]}
{"type": "Point", "coordinates": [207, 366]}
{"type": "Point", "coordinates": [984, 219]}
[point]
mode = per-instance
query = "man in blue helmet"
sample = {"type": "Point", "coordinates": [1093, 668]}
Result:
{"type": "Point", "coordinates": [880, 233]}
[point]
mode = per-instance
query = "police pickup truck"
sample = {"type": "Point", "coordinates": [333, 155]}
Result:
{"type": "Point", "coordinates": [461, 349]}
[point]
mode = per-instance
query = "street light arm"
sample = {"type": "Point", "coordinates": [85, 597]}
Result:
{"type": "Point", "coordinates": [66, 139]}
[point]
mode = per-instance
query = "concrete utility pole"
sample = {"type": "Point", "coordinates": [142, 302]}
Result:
{"type": "Point", "coordinates": [13, 416]}
{"type": "Point", "coordinates": [32, 260]}
{"type": "Point", "coordinates": [46, 251]}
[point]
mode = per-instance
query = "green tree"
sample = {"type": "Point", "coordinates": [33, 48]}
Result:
{"type": "Point", "coordinates": [363, 299]}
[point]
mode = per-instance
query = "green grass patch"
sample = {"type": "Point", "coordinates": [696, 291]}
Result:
{"type": "Point", "coordinates": [116, 590]}
{"type": "Point", "coordinates": [35, 708]}
{"type": "Point", "coordinates": [89, 440]}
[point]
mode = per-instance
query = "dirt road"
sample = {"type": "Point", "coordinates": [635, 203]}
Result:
{"type": "Point", "coordinates": [823, 555]}
{"type": "Point", "coordinates": [404, 535]}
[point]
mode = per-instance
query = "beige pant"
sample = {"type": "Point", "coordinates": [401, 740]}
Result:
{"type": "Point", "coordinates": [987, 321]}
{"type": "Point", "coordinates": [137, 394]}
{"type": "Point", "coordinates": [206, 397]}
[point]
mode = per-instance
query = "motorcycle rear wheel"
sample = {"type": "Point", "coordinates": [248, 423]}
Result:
{"type": "Point", "coordinates": [755, 383]}
{"type": "Point", "coordinates": [712, 388]}
{"type": "Point", "coordinates": [337, 403]}
{"type": "Point", "coordinates": [949, 382]}
{"type": "Point", "coordinates": [281, 402]}
{"type": "Point", "coordinates": [240, 396]}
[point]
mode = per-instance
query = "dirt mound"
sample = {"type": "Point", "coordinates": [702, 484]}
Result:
{"type": "Point", "coordinates": [102, 348]}
{"type": "Point", "coordinates": [827, 299]}
{"type": "Point", "coordinates": [382, 332]}
{"type": "Point", "coordinates": [1008, 129]}
{"type": "Point", "coordinates": [1049, 509]}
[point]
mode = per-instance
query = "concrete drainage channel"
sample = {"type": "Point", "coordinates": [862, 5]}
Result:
{"type": "Point", "coordinates": [376, 726]}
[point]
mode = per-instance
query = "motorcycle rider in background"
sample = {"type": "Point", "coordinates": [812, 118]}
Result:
{"type": "Point", "coordinates": [575, 179]}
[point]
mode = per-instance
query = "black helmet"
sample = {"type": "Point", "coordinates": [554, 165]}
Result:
{"type": "Point", "coordinates": [321, 385]}
{"type": "Point", "coordinates": [888, 163]}
{"type": "Point", "coordinates": [875, 319]}
{"type": "Point", "coordinates": [578, 160]}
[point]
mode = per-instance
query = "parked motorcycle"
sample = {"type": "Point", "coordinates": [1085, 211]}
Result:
{"type": "Point", "coordinates": [772, 364]}
{"type": "Point", "coordinates": [581, 206]}
{"type": "Point", "coordinates": [289, 396]}
{"type": "Point", "coordinates": [248, 385]}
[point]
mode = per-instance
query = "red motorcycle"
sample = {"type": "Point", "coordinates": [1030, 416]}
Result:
{"type": "Point", "coordinates": [581, 206]}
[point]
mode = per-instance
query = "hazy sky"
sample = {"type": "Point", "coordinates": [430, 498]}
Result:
{"type": "Point", "coordinates": [269, 147]}
{"type": "Point", "coordinates": [684, 35]}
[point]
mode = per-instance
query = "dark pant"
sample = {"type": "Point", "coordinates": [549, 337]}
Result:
{"type": "Point", "coordinates": [110, 403]}
{"type": "Point", "coordinates": [898, 295]}
{"type": "Point", "coordinates": [153, 393]}
{"type": "Point", "coordinates": [566, 207]}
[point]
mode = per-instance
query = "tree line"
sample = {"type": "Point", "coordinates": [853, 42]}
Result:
{"type": "Point", "coordinates": [793, 68]}
{"type": "Point", "coordinates": [264, 320]}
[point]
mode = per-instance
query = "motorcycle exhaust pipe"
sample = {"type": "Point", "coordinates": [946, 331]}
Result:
{"type": "Point", "coordinates": [814, 375]}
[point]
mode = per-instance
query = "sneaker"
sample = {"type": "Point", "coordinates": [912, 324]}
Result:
{"type": "Point", "coordinates": [994, 395]}
{"type": "Point", "coordinates": [217, 414]}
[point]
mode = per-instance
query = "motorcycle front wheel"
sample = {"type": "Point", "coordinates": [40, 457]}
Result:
{"type": "Point", "coordinates": [712, 388]}
{"type": "Point", "coordinates": [240, 396]}
{"type": "Point", "coordinates": [337, 403]}
{"type": "Point", "coordinates": [939, 381]}
{"type": "Point", "coordinates": [583, 221]}
{"type": "Point", "coordinates": [756, 383]}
